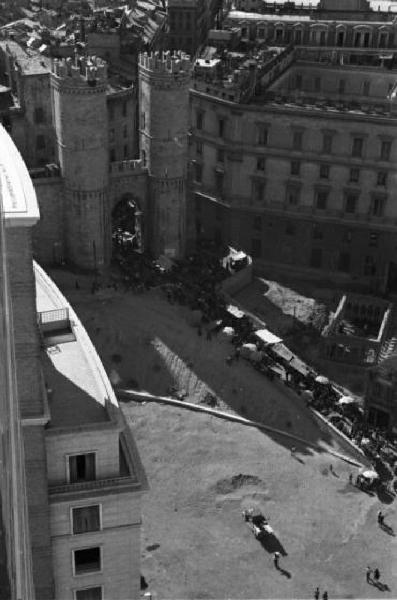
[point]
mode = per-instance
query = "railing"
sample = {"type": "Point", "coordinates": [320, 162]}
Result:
{"type": "Point", "coordinates": [121, 166]}
{"type": "Point", "coordinates": [96, 484]}
{"type": "Point", "coordinates": [50, 170]}
{"type": "Point", "coordinates": [53, 316]}
{"type": "Point", "coordinates": [218, 89]}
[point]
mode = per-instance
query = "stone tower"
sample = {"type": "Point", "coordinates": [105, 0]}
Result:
{"type": "Point", "coordinates": [80, 117]}
{"type": "Point", "coordinates": [164, 82]}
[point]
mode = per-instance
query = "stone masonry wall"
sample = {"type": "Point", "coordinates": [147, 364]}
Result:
{"type": "Point", "coordinates": [119, 537]}
{"type": "Point", "coordinates": [27, 349]}
{"type": "Point", "coordinates": [27, 343]}
{"type": "Point", "coordinates": [38, 511]}
{"type": "Point", "coordinates": [48, 233]}
{"type": "Point", "coordinates": [164, 113]}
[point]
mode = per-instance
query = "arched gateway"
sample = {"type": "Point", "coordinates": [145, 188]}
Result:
{"type": "Point", "coordinates": [127, 229]}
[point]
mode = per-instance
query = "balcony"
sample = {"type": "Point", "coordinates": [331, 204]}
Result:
{"type": "Point", "coordinates": [130, 477]}
{"type": "Point", "coordinates": [55, 326]}
{"type": "Point", "coordinates": [99, 486]}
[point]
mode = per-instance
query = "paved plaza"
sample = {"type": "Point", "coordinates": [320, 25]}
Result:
{"type": "Point", "coordinates": [203, 471]}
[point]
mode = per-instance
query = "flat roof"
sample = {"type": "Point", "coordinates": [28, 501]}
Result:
{"type": "Point", "coordinates": [72, 369]}
{"type": "Point", "coordinates": [31, 62]}
{"type": "Point", "coordinates": [240, 14]}
{"type": "Point", "coordinates": [299, 18]}
{"type": "Point", "coordinates": [330, 108]}
{"type": "Point", "coordinates": [19, 201]}
{"type": "Point", "coordinates": [375, 5]}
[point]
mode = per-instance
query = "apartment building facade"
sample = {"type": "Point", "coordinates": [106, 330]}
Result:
{"type": "Point", "coordinates": [84, 479]}
{"type": "Point", "coordinates": [301, 173]}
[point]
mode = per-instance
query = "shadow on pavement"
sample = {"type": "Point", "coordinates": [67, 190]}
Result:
{"type": "Point", "coordinates": [286, 573]}
{"type": "Point", "coordinates": [382, 587]}
{"type": "Point", "coordinates": [387, 529]}
{"type": "Point", "coordinates": [271, 544]}
{"type": "Point", "coordinates": [242, 388]}
{"type": "Point", "coordinates": [384, 495]}
{"type": "Point", "coordinates": [298, 459]}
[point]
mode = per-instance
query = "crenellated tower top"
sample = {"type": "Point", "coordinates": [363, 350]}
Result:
{"type": "Point", "coordinates": [81, 74]}
{"type": "Point", "coordinates": [166, 62]}
{"type": "Point", "coordinates": [163, 66]}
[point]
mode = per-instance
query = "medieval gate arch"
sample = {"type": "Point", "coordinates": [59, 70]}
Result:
{"type": "Point", "coordinates": [127, 224]}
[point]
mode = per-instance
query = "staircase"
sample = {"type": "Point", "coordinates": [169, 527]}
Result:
{"type": "Point", "coordinates": [348, 327]}
{"type": "Point", "coordinates": [389, 345]}
{"type": "Point", "coordinates": [388, 348]}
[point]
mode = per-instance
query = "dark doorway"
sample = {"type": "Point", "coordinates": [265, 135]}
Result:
{"type": "Point", "coordinates": [127, 232]}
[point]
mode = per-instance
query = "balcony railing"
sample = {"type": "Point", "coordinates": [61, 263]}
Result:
{"type": "Point", "coordinates": [96, 484]}
{"type": "Point", "coordinates": [123, 166]}
{"type": "Point", "coordinates": [53, 316]}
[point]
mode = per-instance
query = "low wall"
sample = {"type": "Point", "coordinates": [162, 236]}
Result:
{"type": "Point", "coordinates": [341, 438]}
{"type": "Point", "coordinates": [238, 281]}
{"type": "Point", "coordinates": [139, 396]}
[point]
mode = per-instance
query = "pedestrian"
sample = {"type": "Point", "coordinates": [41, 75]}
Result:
{"type": "Point", "coordinates": [368, 574]}
{"type": "Point", "coordinates": [351, 478]}
{"type": "Point", "coordinates": [317, 593]}
{"type": "Point", "coordinates": [76, 285]}
{"type": "Point", "coordinates": [381, 518]}
{"type": "Point", "coordinates": [276, 559]}
{"type": "Point", "coordinates": [376, 574]}
{"type": "Point", "coordinates": [325, 595]}
{"type": "Point", "coordinates": [293, 451]}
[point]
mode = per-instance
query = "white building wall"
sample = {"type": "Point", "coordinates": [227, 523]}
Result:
{"type": "Point", "coordinates": [104, 442]}
{"type": "Point", "coordinates": [120, 550]}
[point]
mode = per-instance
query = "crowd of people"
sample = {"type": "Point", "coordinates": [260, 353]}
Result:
{"type": "Point", "coordinates": [196, 282]}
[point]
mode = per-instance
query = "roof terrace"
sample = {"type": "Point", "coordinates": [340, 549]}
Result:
{"type": "Point", "coordinates": [79, 392]}
{"type": "Point", "coordinates": [235, 75]}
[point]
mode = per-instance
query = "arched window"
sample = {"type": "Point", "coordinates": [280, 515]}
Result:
{"type": "Point", "coordinates": [362, 36]}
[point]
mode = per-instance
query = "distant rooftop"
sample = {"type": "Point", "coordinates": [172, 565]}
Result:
{"type": "Point", "coordinates": [241, 14]}
{"type": "Point", "coordinates": [30, 62]}
{"type": "Point", "coordinates": [259, 16]}
{"type": "Point", "coordinates": [72, 369]}
{"type": "Point", "coordinates": [374, 5]}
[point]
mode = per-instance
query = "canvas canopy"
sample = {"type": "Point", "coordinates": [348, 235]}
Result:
{"type": "Point", "coordinates": [267, 337]}
{"type": "Point", "coordinates": [234, 311]}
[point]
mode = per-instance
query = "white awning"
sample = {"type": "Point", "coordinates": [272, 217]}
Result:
{"type": "Point", "coordinates": [236, 254]}
{"type": "Point", "coordinates": [267, 337]}
{"type": "Point", "coordinates": [234, 311]}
